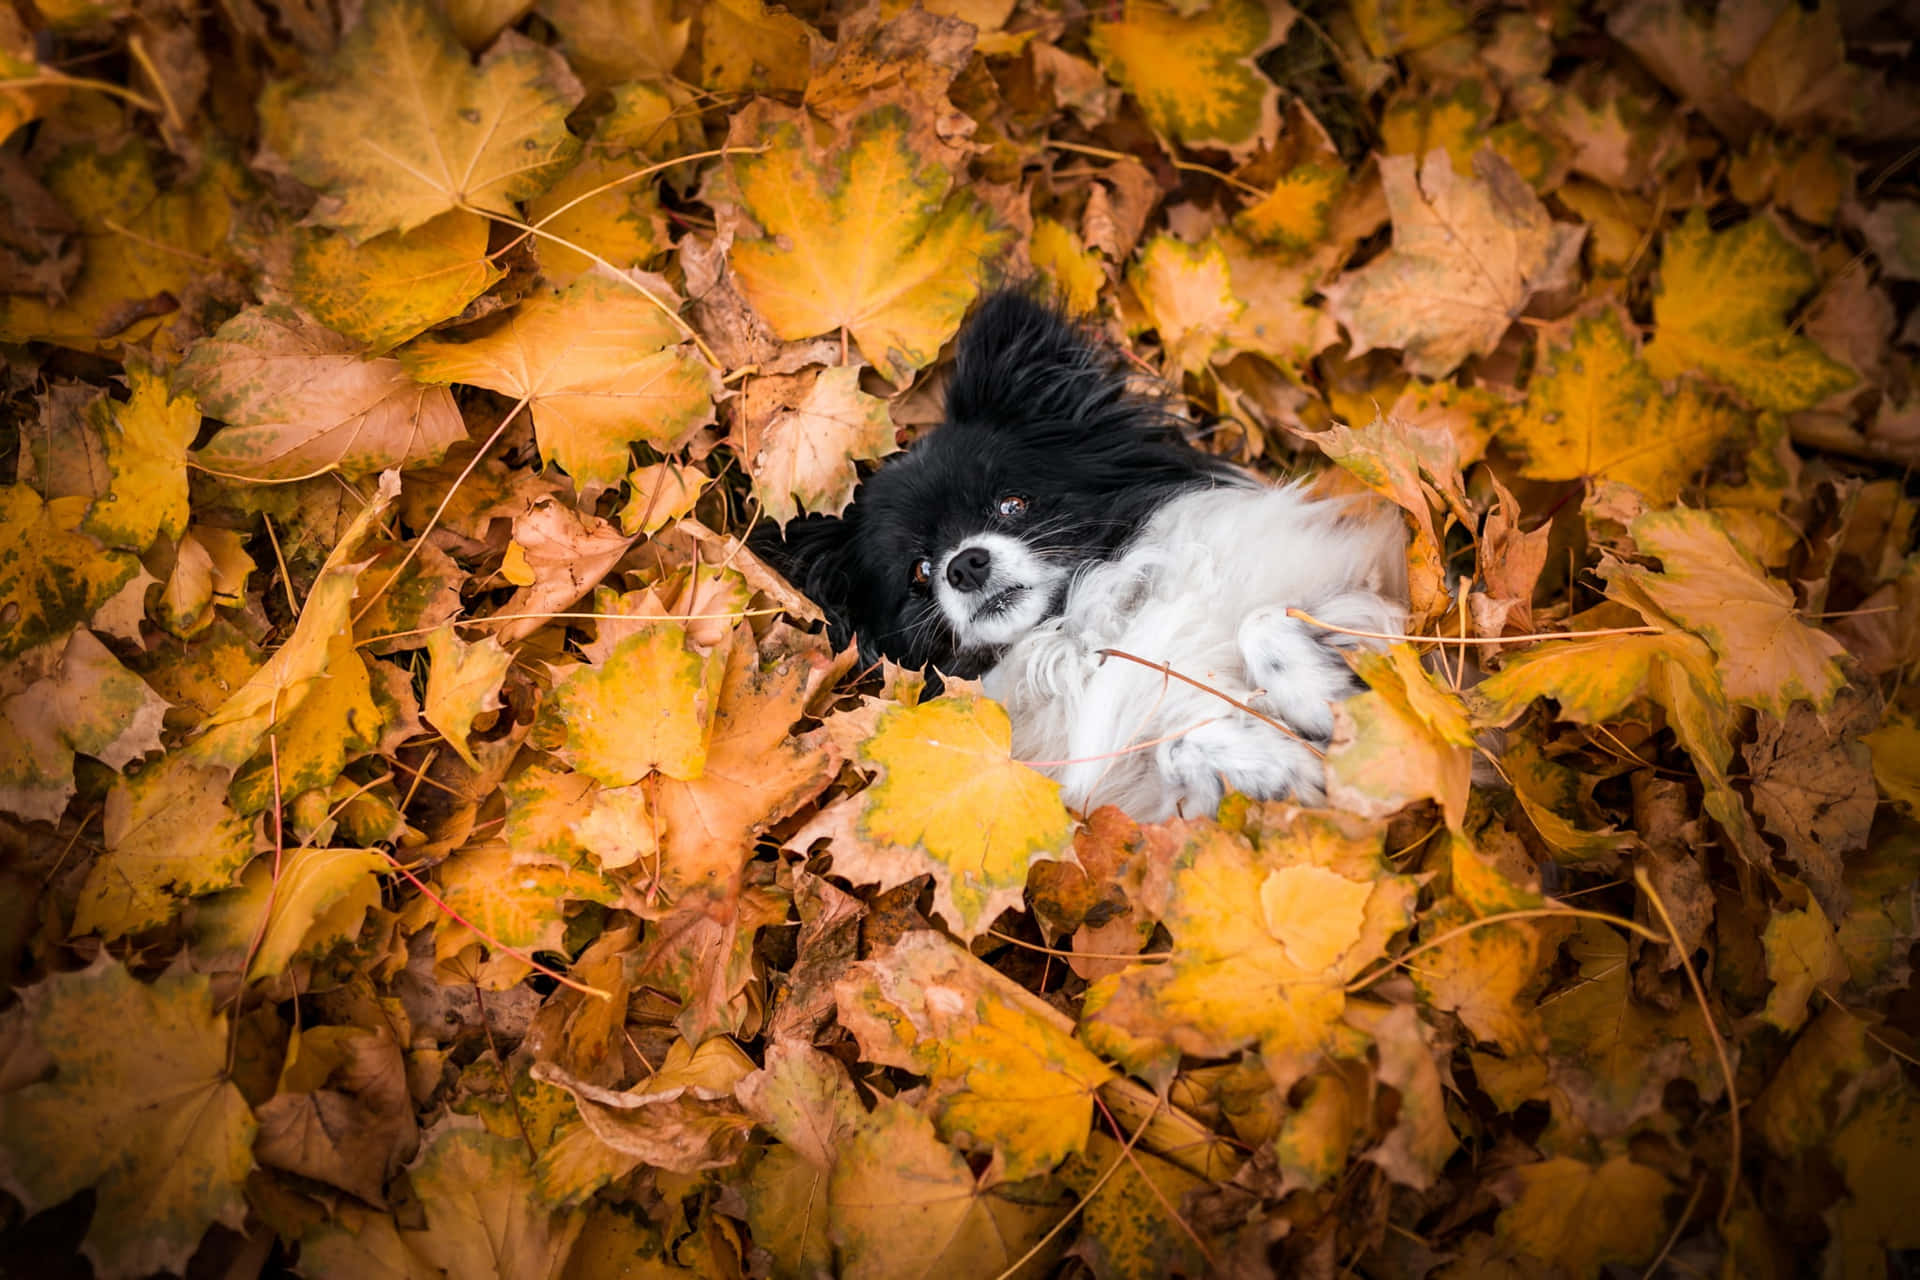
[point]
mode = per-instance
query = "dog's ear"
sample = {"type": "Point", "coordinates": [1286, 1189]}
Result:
{"type": "Point", "coordinates": [815, 554]}
{"type": "Point", "coordinates": [1020, 362]}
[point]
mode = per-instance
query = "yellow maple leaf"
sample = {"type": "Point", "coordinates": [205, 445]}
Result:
{"type": "Point", "coordinates": [1468, 254]}
{"type": "Point", "coordinates": [145, 439]}
{"type": "Point", "coordinates": [1132, 1224]}
{"type": "Point", "coordinates": [1610, 1057]}
{"type": "Point", "coordinates": [1075, 270]}
{"type": "Point", "coordinates": [141, 1108]}
{"type": "Point", "coordinates": [1194, 73]}
{"type": "Point", "coordinates": [481, 1212]}
{"type": "Point", "coordinates": [660, 494]}
{"type": "Point", "coordinates": [1482, 977]}
{"type": "Point", "coordinates": [1876, 1152]}
{"type": "Point", "coordinates": [1798, 72]}
{"type": "Point", "coordinates": [1395, 26]}
{"type": "Point", "coordinates": [1594, 411]}
{"type": "Point", "coordinates": [948, 800]}
{"type": "Point", "coordinates": [543, 805]}
{"type": "Point", "coordinates": [755, 772]}
{"type": "Point", "coordinates": [399, 127]}
{"type": "Point", "coordinates": [900, 1202]}
{"type": "Point", "coordinates": [314, 736]}
{"type": "Point", "coordinates": [299, 399]}
{"type": "Point", "coordinates": [1595, 680]}
{"type": "Point", "coordinates": [171, 829]}
{"type": "Point", "coordinates": [601, 365]}
{"type": "Point", "coordinates": [1896, 760]}
{"type": "Point", "coordinates": [518, 903]}
{"type": "Point", "coordinates": [123, 211]}
{"type": "Point", "coordinates": [238, 728]}
{"type": "Point", "coordinates": [803, 454]}
{"type": "Point", "coordinates": [1456, 120]}
{"type": "Point", "coordinates": [1187, 291]}
{"type": "Point", "coordinates": [394, 286]}
{"type": "Point", "coordinates": [1004, 1064]}
{"type": "Point", "coordinates": [612, 41]}
{"type": "Point", "coordinates": [746, 46]}
{"type": "Point", "coordinates": [18, 102]}
{"type": "Point", "coordinates": [1581, 1217]}
{"type": "Point", "coordinates": [1802, 958]}
{"type": "Point", "coordinates": [1709, 584]}
{"type": "Point", "coordinates": [1720, 308]}
{"type": "Point", "coordinates": [52, 577]}
{"type": "Point", "coordinates": [647, 707]}
{"type": "Point", "coordinates": [316, 899]}
{"type": "Point", "coordinates": [1403, 740]}
{"type": "Point", "coordinates": [1267, 934]}
{"type": "Point", "coordinates": [867, 232]}
{"type": "Point", "coordinates": [1294, 216]}
{"type": "Point", "coordinates": [463, 682]}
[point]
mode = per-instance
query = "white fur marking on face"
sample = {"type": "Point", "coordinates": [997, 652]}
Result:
{"type": "Point", "coordinates": [990, 617]}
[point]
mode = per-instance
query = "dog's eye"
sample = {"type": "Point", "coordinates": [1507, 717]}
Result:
{"type": "Point", "coordinates": [922, 570]}
{"type": "Point", "coordinates": [1012, 505]}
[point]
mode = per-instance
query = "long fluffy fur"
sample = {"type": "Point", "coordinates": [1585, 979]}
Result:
{"type": "Point", "coordinates": [1205, 588]}
{"type": "Point", "coordinates": [1118, 536]}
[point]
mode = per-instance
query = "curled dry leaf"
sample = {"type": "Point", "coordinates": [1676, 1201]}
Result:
{"type": "Point", "coordinates": [800, 437]}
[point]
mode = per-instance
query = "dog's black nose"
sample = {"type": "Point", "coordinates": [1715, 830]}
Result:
{"type": "Point", "coordinates": [968, 570]}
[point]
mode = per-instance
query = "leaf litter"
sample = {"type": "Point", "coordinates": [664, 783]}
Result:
{"type": "Point", "coordinates": [435, 844]}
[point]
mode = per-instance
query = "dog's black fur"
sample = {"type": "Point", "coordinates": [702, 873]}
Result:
{"type": "Point", "coordinates": [1035, 409]}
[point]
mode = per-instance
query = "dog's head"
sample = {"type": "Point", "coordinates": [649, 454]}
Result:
{"type": "Point", "coordinates": [1049, 458]}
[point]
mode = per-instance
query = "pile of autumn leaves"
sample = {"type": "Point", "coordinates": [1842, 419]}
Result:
{"type": "Point", "coordinates": [487, 870]}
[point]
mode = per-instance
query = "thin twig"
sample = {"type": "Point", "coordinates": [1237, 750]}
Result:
{"type": "Point", "coordinates": [420, 538]}
{"type": "Point", "coordinates": [1189, 166]}
{"type": "Point", "coordinates": [1067, 1217]}
{"type": "Point", "coordinates": [1556, 912]}
{"type": "Point", "coordinates": [1167, 670]}
{"type": "Point", "coordinates": [671, 313]}
{"type": "Point", "coordinates": [1010, 940]}
{"type": "Point", "coordinates": [489, 939]}
{"type": "Point", "coordinates": [1310, 620]}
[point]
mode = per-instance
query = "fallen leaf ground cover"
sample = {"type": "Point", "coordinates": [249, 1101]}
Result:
{"type": "Point", "coordinates": [433, 843]}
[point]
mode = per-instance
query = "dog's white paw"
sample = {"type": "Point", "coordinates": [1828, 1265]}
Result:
{"type": "Point", "coordinates": [1242, 754]}
{"type": "Point", "coordinates": [1298, 667]}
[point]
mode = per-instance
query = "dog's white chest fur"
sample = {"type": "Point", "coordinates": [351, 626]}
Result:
{"type": "Point", "coordinates": [1204, 587]}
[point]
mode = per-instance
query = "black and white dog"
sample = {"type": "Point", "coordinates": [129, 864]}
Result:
{"type": "Point", "coordinates": [1058, 512]}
